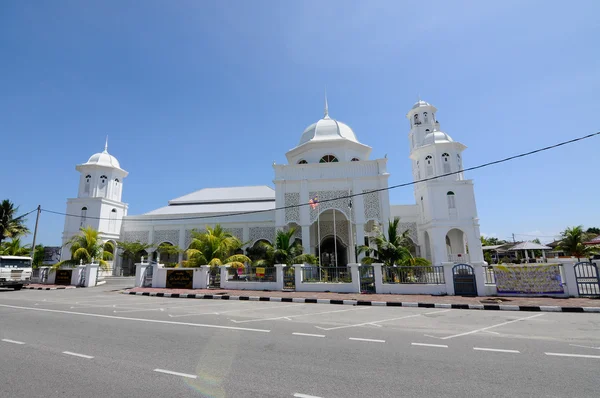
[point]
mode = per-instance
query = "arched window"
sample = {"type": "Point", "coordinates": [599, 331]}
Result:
{"type": "Point", "coordinates": [422, 209]}
{"type": "Point", "coordinates": [302, 161]}
{"type": "Point", "coordinates": [425, 117]}
{"type": "Point", "coordinates": [86, 187]}
{"type": "Point", "coordinates": [429, 161]}
{"type": "Point", "coordinates": [112, 220]}
{"type": "Point", "coordinates": [355, 160]}
{"type": "Point", "coordinates": [116, 191]}
{"type": "Point", "coordinates": [451, 200]}
{"type": "Point", "coordinates": [83, 217]}
{"type": "Point", "coordinates": [417, 119]}
{"type": "Point", "coordinates": [102, 187]}
{"type": "Point", "coordinates": [446, 162]}
{"type": "Point", "coordinates": [328, 159]}
{"type": "Point", "coordinates": [427, 130]}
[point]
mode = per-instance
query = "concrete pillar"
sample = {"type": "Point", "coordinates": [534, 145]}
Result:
{"type": "Point", "coordinates": [306, 239]}
{"type": "Point", "coordinates": [378, 274]}
{"type": "Point", "coordinates": [298, 275]}
{"type": "Point", "coordinates": [201, 277]}
{"type": "Point", "coordinates": [279, 271]}
{"type": "Point", "coordinates": [570, 281]}
{"type": "Point", "coordinates": [224, 275]}
{"type": "Point", "coordinates": [355, 273]}
{"type": "Point", "coordinates": [91, 275]}
{"type": "Point", "coordinates": [479, 277]}
{"type": "Point", "coordinates": [140, 271]}
{"type": "Point", "coordinates": [449, 277]}
{"type": "Point", "coordinates": [438, 245]}
{"type": "Point", "coordinates": [360, 238]}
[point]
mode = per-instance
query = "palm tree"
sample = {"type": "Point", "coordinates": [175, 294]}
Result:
{"type": "Point", "coordinates": [572, 243]}
{"type": "Point", "coordinates": [84, 247]}
{"type": "Point", "coordinates": [14, 248]}
{"type": "Point", "coordinates": [393, 249]}
{"type": "Point", "coordinates": [215, 247]}
{"type": "Point", "coordinates": [285, 251]}
{"type": "Point", "coordinates": [131, 252]}
{"type": "Point", "coordinates": [10, 227]}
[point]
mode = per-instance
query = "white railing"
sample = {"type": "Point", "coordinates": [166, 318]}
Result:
{"type": "Point", "coordinates": [459, 258]}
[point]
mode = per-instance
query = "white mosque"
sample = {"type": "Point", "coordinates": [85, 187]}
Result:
{"type": "Point", "coordinates": [329, 162]}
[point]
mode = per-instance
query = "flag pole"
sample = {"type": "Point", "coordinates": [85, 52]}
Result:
{"type": "Point", "coordinates": [319, 235]}
{"type": "Point", "coordinates": [335, 239]}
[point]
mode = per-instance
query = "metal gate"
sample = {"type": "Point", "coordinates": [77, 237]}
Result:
{"type": "Point", "coordinates": [464, 280]}
{"type": "Point", "coordinates": [289, 278]}
{"type": "Point", "coordinates": [588, 283]}
{"type": "Point", "coordinates": [214, 278]}
{"type": "Point", "coordinates": [367, 278]}
{"type": "Point", "coordinates": [147, 277]}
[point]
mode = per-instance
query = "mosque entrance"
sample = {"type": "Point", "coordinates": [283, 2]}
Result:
{"type": "Point", "coordinates": [328, 253]}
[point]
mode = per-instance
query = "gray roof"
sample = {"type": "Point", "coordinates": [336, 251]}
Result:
{"type": "Point", "coordinates": [212, 208]}
{"type": "Point", "coordinates": [227, 194]}
{"type": "Point", "coordinates": [529, 246]}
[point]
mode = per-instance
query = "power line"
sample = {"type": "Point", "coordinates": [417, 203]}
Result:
{"type": "Point", "coordinates": [524, 154]}
{"type": "Point", "coordinates": [25, 215]}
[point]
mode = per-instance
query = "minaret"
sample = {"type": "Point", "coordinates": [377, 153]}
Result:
{"type": "Point", "coordinates": [448, 223]}
{"type": "Point", "coordinates": [98, 203]}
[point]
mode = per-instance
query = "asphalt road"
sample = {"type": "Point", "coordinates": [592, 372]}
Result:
{"type": "Point", "coordinates": [98, 342]}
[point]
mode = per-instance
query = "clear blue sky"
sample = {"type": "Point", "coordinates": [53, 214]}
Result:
{"type": "Point", "coordinates": [197, 94]}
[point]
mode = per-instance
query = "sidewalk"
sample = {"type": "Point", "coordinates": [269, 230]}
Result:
{"type": "Point", "coordinates": [457, 302]}
{"type": "Point", "coordinates": [39, 286]}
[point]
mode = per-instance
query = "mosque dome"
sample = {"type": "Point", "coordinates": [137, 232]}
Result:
{"type": "Point", "coordinates": [327, 129]}
{"type": "Point", "coordinates": [103, 159]}
{"type": "Point", "coordinates": [436, 137]}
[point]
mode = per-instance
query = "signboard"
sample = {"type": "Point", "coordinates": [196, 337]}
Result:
{"type": "Point", "coordinates": [528, 279]}
{"type": "Point", "coordinates": [260, 272]}
{"type": "Point", "coordinates": [180, 278]}
{"type": "Point", "coordinates": [51, 255]}
{"type": "Point", "coordinates": [63, 277]}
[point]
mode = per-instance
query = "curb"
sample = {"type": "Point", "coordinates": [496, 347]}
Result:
{"type": "Point", "coordinates": [491, 307]}
{"type": "Point", "coordinates": [49, 288]}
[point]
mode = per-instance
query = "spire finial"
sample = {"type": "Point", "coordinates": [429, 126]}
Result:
{"type": "Point", "coordinates": [326, 105]}
{"type": "Point", "coordinates": [106, 145]}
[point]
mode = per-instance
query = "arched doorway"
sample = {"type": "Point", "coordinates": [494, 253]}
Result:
{"type": "Point", "coordinates": [331, 247]}
{"type": "Point", "coordinates": [456, 245]}
{"type": "Point", "coordinates": [169, 254]}
{"type": "Point", "coordinates": [330, 224]}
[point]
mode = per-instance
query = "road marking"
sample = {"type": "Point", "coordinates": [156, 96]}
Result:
{"type": "Point", "coordinates": [496, 350]}
{"type": "Point", "coordinates": [295, 316]}
{"type": "Point", "coordinates": [585, 346]}
{"type": "Point", "coordinates": [78, 355]}
{"type": "Point", "coordinates": [137, 319]}
{"type": "Point", "coordinates": [490, 327]}
{"type": "Point", "coordinates": [170, 372]}
{"type": "Point", "coordinates": [370, 340]}
{"type": "Point", "coordinates": [298, 395]}
{"type": "Point", "coordinates": [430, 345]}
{"type": "Point", "coordinates": [556, 354]}
{"type": "Point", "coordinates": [308, 334]}
{"type": "Point", "coordinates": [238, 310]}
{"type": "Point", "coordinates": [374, 323]}
{"type": "Point", "coordinates": [12, 341]}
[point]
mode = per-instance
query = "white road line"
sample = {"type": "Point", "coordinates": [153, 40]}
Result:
{"type": "Point", "coordinates": [136, 319]}
{"type": "Point", "coordinates": [238, 310]}
{"type": "Point", "coordinates": [585, 346]}
{"type": "Point", "coordinates": [299, 315]}
{"type": "Point", "coordinates": [78, 355]}
{"type": "Point", "coordinates": [12, 341]}
{"type": "Point", "coordinates": [170, 372]}
{"type": "Point", "coordinates": [384, 320]}
{"type": "Point", "coordinates": [308, 334]}
{"type": "Point", "coordinates": [490, 327]}
{"type": "Point", "coordinates": [370, 340]}
{"type": "Point", "coordinates": [430, 345]}
{"type": "Point", "coordinates": [298, 395]}
{"type": "Point", "coordinates": [556, 354]}
{"type": "Point", "coordinates": [496, 350]}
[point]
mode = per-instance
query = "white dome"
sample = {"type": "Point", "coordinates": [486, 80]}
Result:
{"type": "Point", "coordinates": [420, 103]}
{"type": "Point", "coordinates": [437, 137]}
{"type": "Point", "coordinates": [103, 159]}
{"type": "Point", "coordinates": [327, 129]}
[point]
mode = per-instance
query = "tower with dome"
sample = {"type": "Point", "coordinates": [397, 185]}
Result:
{"type": "Point", "coordinates": [98, 203]}
{"type": "Point", "coordinates": [330, 191]}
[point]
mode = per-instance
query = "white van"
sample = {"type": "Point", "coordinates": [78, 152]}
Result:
{"type": "Point", "coordinates": [15, 271]}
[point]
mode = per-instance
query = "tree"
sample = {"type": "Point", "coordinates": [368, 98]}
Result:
{"type": "Point", "coordinates": [11, 226]}
{"type": "Point", "coordinates": [14, 248]}
{"type": "Point", "coordinates": [215, 247]}
{"type": "Point", "coordinates": [490, 241]}
{"type": "Point", "coordinates": [132, 250]}
{"type": "Point", "coordinates": [572, 243]}
{"type": "Point", "coordinates": [593, 230]}
{"type": "Point", "coordinates": [167, 250]}
{"type": "Point", "coordinates": [38, 256]}
{"type": "Point", "coordinates": [393, 249]}
{"type": "Point", "coordinates": [285, 251]}
{"type": "Point", "coordinates": [84, 247]}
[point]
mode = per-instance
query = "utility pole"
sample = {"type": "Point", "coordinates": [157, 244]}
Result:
{"type": "Point", "coordinates": [514, 241]}
{"type": "Point", "coordinates": [37, 220]}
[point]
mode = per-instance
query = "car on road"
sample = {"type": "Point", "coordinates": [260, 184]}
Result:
{"type": "Point", "coordinates": [15, 271]}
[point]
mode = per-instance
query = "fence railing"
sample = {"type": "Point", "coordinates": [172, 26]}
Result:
{"type": "Point", "coordinates": [430, 275]}
{"type": "Point", "coordinates": [490, 276]}
{"type": "Point", "coordinates": [326, 275]}
{"type": "Point", "coordinates": [252, 274]}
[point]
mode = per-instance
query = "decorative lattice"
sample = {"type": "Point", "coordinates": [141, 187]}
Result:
{"type": "Point", "coordinates": [166, 235]}
{"type": "Point", "coordinates": [371, 200]}
{"type": "Point", "coordinates": [341, 230]}
{"type": "Point", "coordinates": [136, 236]}
{"type": "Point", "coordinates": [258, 233]}
{"type": "Point", "coordinates": [188, 237]}
{"type": "Point", "coordinates": [412, 230]}
{"type": "Point", "coordinates": [292, 214]}
{"type": "Point", "coordinates": [237, 232]}
{"type": "Point", "coordinates": [325, 202]}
